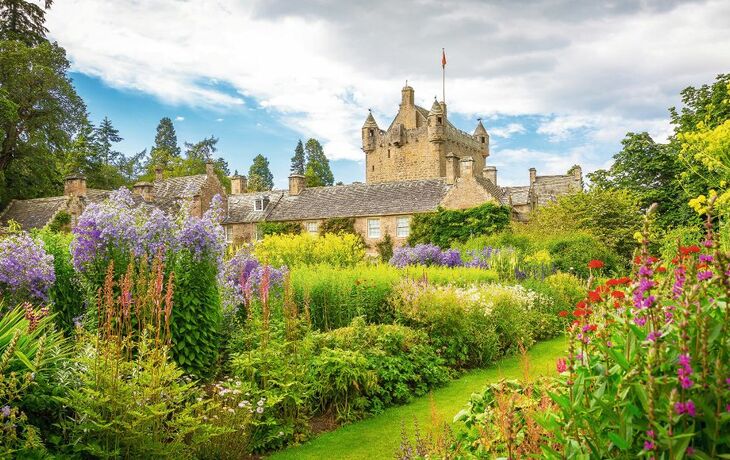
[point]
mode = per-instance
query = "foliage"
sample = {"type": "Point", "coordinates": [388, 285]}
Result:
{"type": "Point", "coordinates": [61, 222]}
{"type": "Point", "coordinates": [504, 421]}
{"type": "Point", "coordinates": [572, 252]}
{"type": "Point", "coordinates": [166, 151]}
{"type": "Point", "coordinates": [646, 371]}
{"type": "Point", "coordinates": [66, 294]}
{"type": "Point", "coordinates": [298, 161]}
{"type": "Point", "coordinates": [243, 279]}
{"type": "Point", "coordinates": [649, 171]}
{"type": "Point", "coordinates": [31, 353]}
{"type": "Point", "coordinates": [26, 269]}
{"type": "Point", "coordinates": [259, 175]}
{"type": "Point", "coordinates": [39, 112]}
{"type": "Point", "coordinates": [385, 248]}
{"type": "Point", "coordinates": [276, 228]}
{"type": "Point", "coordinates": [317, 172]}
{"type": "Point", "coordinates": [23, 20]}
{"type": "Point", "coordinates": [344, 250]}
{"type": "Point", "coordinates": [425, 254]}
{"type": "Point", "coordinates": [338, 225]}
{"type": "Point", "coordinates": [445, 227]}
{"type": "Point", "coordinates": [613, 216]}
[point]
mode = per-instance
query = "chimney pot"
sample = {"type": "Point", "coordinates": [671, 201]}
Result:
{"type": "Point", "coordinates": [144, 189]}
{"type": "Point", "coordinates": [296, 184]}
{"type": "Point", "coordinates": [210, 168]}
{"type": "Point", "coordinates": [490, 172]}
{"type": "Point", "coordinates": [533, 176]}
{"type": "Point", "coordinates": [466, 168]}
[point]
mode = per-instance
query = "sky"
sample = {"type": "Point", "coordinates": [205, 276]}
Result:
{"type": "Point", "coordinates": [556, 82]}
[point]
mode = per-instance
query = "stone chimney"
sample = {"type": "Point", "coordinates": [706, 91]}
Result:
{"type": "Point", "coordinates": [577, 173]}
{"type": "Point", "coordinates": [452, 168]}
{"type": "Point", "coordinates": [239, 184]}
{"type": "Point", "coordinates": [490, 172]}
{"type": "Point", "coordinates": [145, 190]}
{"type": "Point", "coordinates": [296, 184]}
{"type": "Point", "coordinates": [466, 168]}
{"type": "Point", "coordinates": [75, 185]}
{"type": "Point", "coordinates": [210, 168]}
{"type": "Point", "coordinates": [533, 176]}
{"type": "Point", "coordinates": [158, 173]}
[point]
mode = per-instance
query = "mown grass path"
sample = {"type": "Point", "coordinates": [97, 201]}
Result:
{"type": "Point", "coordinates": [378, 437]}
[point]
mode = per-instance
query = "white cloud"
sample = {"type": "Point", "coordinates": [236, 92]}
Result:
{"type": "Point", "coordinates": [318, 66]}
{"type": "Point", "coordinates": [219, 120]}
{"type": "Point", "coordinates": [179, 118]}
{"type": "Point", "coordinates": [506, 131]}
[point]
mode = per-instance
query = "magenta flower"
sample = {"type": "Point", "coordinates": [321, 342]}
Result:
{"type": "Point", "coordinates": [704, 275]}
{"type": "Point", "coordinates": [649, 445]}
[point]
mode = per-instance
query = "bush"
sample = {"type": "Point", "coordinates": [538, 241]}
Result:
{"type": "Point", "coordinates": [338, 225]}
{"type": "Point", "coordinates": [344, 250]}
{"type": "Point", "coordinates": [445, 227]}
{"type": "Point", "coordinates": [32, 353]}
{"type": "Point", "coordinates": [572, 253]}
{"type": "Point", "coordinates": [26, 270]}
{"type": "Point", "coordinates": [279, 228]}
{"type": "Point", "coordinates": [385, 248]}
{"type": "Point", "coordinates": [66, 294]}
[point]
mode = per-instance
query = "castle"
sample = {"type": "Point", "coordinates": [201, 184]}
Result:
{"type": "Point", "coordinates": [421, 163]}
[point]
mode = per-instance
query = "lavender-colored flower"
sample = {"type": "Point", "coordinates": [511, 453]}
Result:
{"type": "Point", "coordinates": [26, 270]}
{"type": "Point", "coordinates": [5, 411]}
{"type": "Point", "coordinates": [157, 234]}
{"type": "Point", "coordinates": [425, 254]}
{"type": "Point", "coordinates": [241, 279]}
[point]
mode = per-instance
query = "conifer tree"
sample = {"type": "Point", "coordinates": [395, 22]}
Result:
{"type": "Point", "coordinates": [105, 136]}
{"type": "Point", "coordinates": [23, 20]}
{"type": "Point", "coordinates": [165, 153]}
{"type": "Point", "coordinates": [317, 172]}
{"type": "Point", "coordinates": [259, 175]}
{"type": "Point", "coordinates": [298, 161]}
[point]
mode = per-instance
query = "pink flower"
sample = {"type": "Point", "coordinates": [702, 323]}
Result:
{"type": "Point", "coordinates": [561, 366]}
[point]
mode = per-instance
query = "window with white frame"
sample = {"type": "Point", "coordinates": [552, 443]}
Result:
{"type": "Point", "coordinates": [373, 228]}
{"type": "Point", "coordinates": [403, 227]}
{"type": "Point", "coordinates": [229, 233]}
{"type": "Point", "coordinates": [313, 227]}
{"type": "Point", "coordinates": [259, 204]}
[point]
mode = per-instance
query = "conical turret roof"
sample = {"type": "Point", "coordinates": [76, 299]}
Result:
{"type": "Point", "coordinates": [436, 107]}
{"type": "Point", "coordinates": [370, 121]}
{"type": "Point", "coordinates": [480, 129]}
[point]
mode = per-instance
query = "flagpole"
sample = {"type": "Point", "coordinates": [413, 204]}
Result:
{"type": "Point", "coordinates": [443, 76]}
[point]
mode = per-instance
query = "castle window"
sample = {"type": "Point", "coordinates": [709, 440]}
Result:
{"type": "Point", "coordinates": [229, 233]}
{"type": "Point", "coordinates": [388, 153]}
{"type": "Point", "coordinates": [372, 168]}
{"type": "Point", "coordinates": [313, 227]}
{"type": "Point", "coordinates": [439, 120]}
{"type": "Point", "coordinates": [483, 140]}
{"type": "Point", "coordinates": [403, 227]}
{"type": "Point", "coordinates": [373, 228]}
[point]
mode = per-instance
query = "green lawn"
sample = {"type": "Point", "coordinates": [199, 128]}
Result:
{"type": "Point", "coordinates": [378, 437]}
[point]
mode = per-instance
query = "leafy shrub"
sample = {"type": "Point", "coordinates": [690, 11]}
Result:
{"type": "Point", "coordinates": [385, 248]}
{"type": "Point", "coordinates": [61, 222]}
{"type": "Point", "coordinates": [31, 354]}
{"type": "Point", "coordinates": [673, 239]}
{"type": "Point", "coordinates": [504, 421]}
{"type": "Point", "coordinates": [572, 253]}
{"type": "Point", "coordinates": [26, 269]}
{"type": "Point", "coordinates": [278, 228]}
{"type": "Point", "coordinates": [243, 279]}
{"type": "Point", "coordinates": [343, 250]}
{"type": "Point", "coordinates": [66, 294]}
{"type": "Point", "coordinates": [445, 227]}
{"type": "Point", "coordinates": [338, 225]}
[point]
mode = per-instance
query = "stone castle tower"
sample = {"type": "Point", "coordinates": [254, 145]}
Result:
{"type": "Point", "coordinates": [422, 144]}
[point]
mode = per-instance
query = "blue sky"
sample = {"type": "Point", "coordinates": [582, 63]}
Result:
{"type": "Point", "coordinates": [557, 82]}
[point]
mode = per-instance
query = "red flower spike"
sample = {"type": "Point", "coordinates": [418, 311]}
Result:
{"type": "Point", "coordinates": [594, 296]}
{"type": "Point", "coordinates": [618, 295]}
{"type": "Point", "coordinates": [563, 314]}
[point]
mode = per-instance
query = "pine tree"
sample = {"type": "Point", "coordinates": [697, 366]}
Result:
{"type": "Point", "coordinates": [165, 153]}
{"type": "Point", "coordinates": [298, 161]}
{"type": "Point", "coordinates": [105, 136]}
{"type": "Point", "coordinates": [259, 175]}
{"type": "Point", "coordinates": [23, 20]}
{"type": "Point", "coordinates": [317, 172]}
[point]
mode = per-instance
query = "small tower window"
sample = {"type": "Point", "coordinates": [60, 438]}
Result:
{"type": "Point", "coordinates": [372, 168]}
{"type": "Point", "coordinates": [439, 120]}
{"type": "Point", "coordinates": [388, 153]}
{"type": "Point", "coordinates": [482, 138]}
{"type": "Point", "coordinates": [371, 132]}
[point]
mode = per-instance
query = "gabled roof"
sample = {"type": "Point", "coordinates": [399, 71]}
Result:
{"type": "Point", "coordinates": [241, 208]}
{"type": "Point", "coordinates": [169, 193]}
{"type": "Point", "coordinates": [356, 200]}
{"type": "Point", "coordinates": [494, 190]}
{"type": "Point", "coordinates": [548, 188]}
{"type": "Point", "coordinates": [519, 194]}
{"type": "Point", "coordinates": [33, 213]}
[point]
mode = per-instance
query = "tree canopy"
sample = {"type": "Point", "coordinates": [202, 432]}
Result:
{"type": "Point", "coordinates": [298, 161]}
{"type": "Point", "coordinates": [317, 172]}
{"type": "Point", "coordinates": [23, 20]}
{"type": "Point", "coordinates": [260, 177]}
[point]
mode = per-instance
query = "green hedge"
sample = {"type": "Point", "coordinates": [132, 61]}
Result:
{"type": "Point", "coordinates": [445, 227]}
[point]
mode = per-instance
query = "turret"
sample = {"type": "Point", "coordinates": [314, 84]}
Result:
{"type": "Point", "coordinates": [436, 122]}
{"type": "Point", "coordinates": [408, 98]}
{"type": "Point", "coordinates": [481, 136]}
{"type": "Point", "coordinates": [370, 131]}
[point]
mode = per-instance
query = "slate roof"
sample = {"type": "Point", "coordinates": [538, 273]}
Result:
{"type": "Point", "coordinates": [354, 200]}
{"type": "Point", "coordinates": [241, 207]}
{"type": "Point", "coordinates": [33, 213]}
{"type": "Point", "coordinates": [169, 193]}
{"type": "Point", "coordinates": [495, 191]}
{"type": "Point", "coordinates": [520, 194]}
{"type": "Point", "coordinates": [548, 188]}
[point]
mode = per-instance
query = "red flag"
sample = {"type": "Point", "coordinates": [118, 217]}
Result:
{"type": "Point", "coordinates": [443, 57]}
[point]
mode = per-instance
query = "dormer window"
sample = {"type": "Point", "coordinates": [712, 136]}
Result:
{"type": "Point", "coordinates": [261, 203]}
